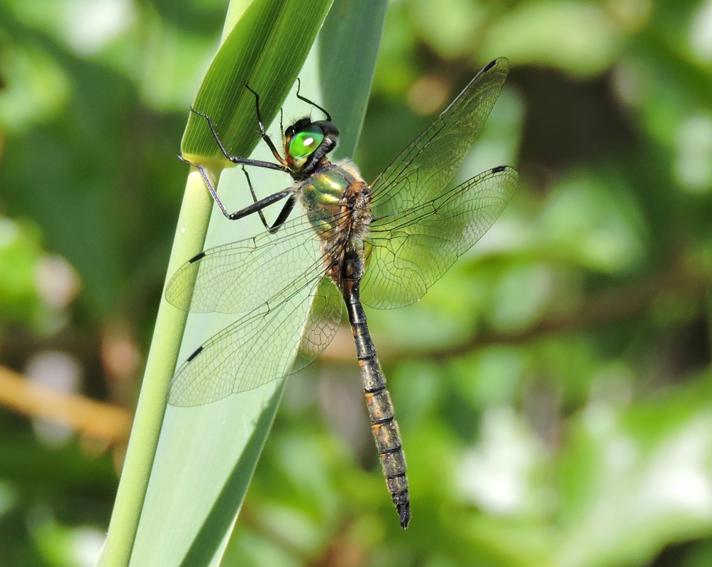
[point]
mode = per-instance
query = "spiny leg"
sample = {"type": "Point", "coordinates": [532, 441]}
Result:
{"type": "Point", "coordinates": [208, 183]}
{"type": "Point", "coordinates": [255, 207]}
{"type": "Point", "coordinates": [283, 214]}
{"type": "Point", "coordinates": [237, 159]}
{"type": "Point", "coordinates": [254, 198]}
{"type": "Point", "coordinates": [263, 130]}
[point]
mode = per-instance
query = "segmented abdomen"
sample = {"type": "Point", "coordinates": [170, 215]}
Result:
{"type": "Point", "coordinates": [378, 401]}
{"type": "Point", "coordinates": [386, 434]}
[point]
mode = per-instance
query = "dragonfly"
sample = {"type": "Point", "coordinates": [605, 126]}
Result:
{"type": "Point", "coordinates": [382, 244]}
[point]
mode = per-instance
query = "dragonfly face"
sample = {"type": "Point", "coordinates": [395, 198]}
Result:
{"type": "Point", "coordinates": [291, 287]}
{"type": "Point", "coordinates": [306, 143]}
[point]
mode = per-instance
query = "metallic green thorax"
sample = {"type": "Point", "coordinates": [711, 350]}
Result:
{"type": "Point", "coordinates": [322, 195]}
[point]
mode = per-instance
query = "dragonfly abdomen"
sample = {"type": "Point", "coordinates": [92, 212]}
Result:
{"type": "Point", "coordinates": [386, 434]}
{"type": "Point", "coordinates": [384, 426]}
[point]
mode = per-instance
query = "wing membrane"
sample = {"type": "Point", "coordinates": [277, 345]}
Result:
{"type": "Point", "coordinates": [426, 167]}
{"type": "Point", "coordinates": [237, 277]}
{"type": "Point", "coordinates": [412, 250]}
{"type": "Point", "coordinates": [261, 345]}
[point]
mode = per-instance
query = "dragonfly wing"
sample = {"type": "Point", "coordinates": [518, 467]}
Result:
{"type": "Point", "coordinates": [426, 167]}
{"type": "Point", "coordinates": [324, 319]}
{"type": "Point", "coordinates": [410, 251]}
{"type": "Point", "coordinates": [238, 277]}
{"type": "Point", "coordinates": [258, 348]}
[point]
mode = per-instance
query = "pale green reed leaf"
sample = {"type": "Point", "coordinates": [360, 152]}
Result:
{"type": "Point", "coordinates": [266, 36]}
{"type": "Point", "coordinates": [207, 454]}
{"type": "Point", "coordinates": [349, 40]}
{"type": "Point", "coordinates": [265, 52]}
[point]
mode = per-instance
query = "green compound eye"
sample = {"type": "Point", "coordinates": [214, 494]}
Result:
{"type": "Point", "coordinates": [304, 143]}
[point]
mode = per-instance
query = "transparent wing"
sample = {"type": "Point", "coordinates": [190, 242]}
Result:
{"type": "Point", "coordinates": [410, 251]}
{"type": "Point", "coordinates": [237, 277]}
{"type": "Point", "coordinates": [322, 324]}
{"type": "Point", "coordinates": [260, 346]}
{"type": "Point", "coordinates": [426, 167]}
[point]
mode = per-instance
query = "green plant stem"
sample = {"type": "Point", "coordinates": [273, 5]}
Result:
{"type": "Point", "coordinates": [272, 72]}
{"type": "Point", "coordinates": [163, 354]}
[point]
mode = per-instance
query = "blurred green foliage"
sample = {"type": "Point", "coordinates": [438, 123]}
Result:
{"type": "Point", "coordinates": [553, 389]}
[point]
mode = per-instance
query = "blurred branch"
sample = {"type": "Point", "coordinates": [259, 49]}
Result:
{"type": "Point", "coordinates": [598, 310]}
{"type": "Point", "coordinates": [264, 529]}
{"type": "Point", "coordinates": [111, 423]}
{"type": "Point", "coordinates": [97, 420]}
{"type": "Point", "coordinates": [602, 309]}
{"type": "Point", "coordinates": [343, 550]}
{"type": "Point", "coordinates": [340, 550]}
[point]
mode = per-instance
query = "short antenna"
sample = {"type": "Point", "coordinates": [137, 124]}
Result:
{"type": "Point", "coordinates": [305, 99]}
{"type": "Point", "coordinates": [281, 124]}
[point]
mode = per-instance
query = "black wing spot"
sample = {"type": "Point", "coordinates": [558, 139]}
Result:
{"type": "Point", "coordinates": [499, 168]}
{"type": "Point", "coordinates": [489, 65]}
{"type": "Point", "coordinates": [195, 353]}
{"type": "Point", "coordinates": [196, 257]}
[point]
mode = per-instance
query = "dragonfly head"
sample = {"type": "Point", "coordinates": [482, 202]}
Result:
{"type": "Point", "coordinates": [307, 142]}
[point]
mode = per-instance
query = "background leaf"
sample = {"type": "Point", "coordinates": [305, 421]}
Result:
{"type": "Point", "coordinates": [533, 381]}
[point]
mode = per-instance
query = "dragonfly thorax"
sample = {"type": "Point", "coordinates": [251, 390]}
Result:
{"type": "Point", "coordinates": [337, 201]}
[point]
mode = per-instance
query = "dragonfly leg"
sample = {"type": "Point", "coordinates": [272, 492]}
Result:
{"type": "Point", "coordinates": [254, 198]}
{"type": "Point", "coordinates": [263, 130]}
{"type": "Point", "coordinates": [255, 207]}
{"type": "Point", "coordinates": [283, 214]}
{"type": "Point", "coordinates": [305, 99]}
{"type": "Point", "coordinates": [237, 159]}
{"type": "Point", "coordinates": [208, 183]}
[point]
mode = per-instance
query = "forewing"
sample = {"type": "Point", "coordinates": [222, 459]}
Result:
{"type": "Point", "coordinates": [426, 167]}
{"type": "Point", "coordinates": [237, 277]}
{"type": "Point", "coordinates": [411, 250]}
